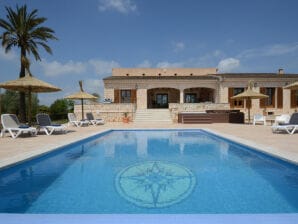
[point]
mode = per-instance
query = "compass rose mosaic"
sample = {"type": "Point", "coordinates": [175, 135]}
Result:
{"type": "Point", "coordinates": [155, 184]}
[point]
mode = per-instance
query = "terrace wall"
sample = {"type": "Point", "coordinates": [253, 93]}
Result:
{"type": "Point", "coordinates": [110, 112]}
{"type": "Point", "coordinates": [176, 108]}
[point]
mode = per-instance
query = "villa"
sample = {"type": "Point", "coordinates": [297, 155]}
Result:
{"type": "Point", "coordinates": [178, 90]}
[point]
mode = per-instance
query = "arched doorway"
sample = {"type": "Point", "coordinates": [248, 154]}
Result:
{"type": "Point", "coordinates": [199, 95]}
{"type": "Point", "coordinates": [161, 97]}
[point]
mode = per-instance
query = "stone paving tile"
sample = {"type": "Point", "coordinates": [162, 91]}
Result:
{"type": "Point", "coordinates": [261, 137]}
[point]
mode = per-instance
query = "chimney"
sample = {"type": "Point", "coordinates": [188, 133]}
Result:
{"type": "Point", "coordinates": [281, 71]}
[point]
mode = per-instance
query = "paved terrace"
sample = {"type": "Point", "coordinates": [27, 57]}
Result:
{"type": "Point", "coordinates": [260, 137]}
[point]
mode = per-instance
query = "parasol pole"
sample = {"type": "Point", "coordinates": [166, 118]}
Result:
{"type": "Point", "coordinates": [29, 106]}
{"type": "Point", "coordinates": [82, 102]}
{"type": "Point", "coordinates": [248, 111]}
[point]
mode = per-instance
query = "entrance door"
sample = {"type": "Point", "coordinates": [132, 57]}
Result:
{"type": "Point", "coordinates": [162, 101]}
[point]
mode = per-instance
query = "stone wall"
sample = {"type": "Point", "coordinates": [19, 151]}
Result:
{"type": "Point", "coordinates": [110, 112]}
{"type": "Point", "coordinates": [176, 108]}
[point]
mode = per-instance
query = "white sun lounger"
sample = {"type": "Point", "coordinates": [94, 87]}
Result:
{"type": "Point", "coordinates": [290, 127]}
{"type": "Point", "coordinates": [46, 125]}
{"type": "Point", "coordinates": [10, 123]}
{"type": "Point", "coordinates": [74, 121]}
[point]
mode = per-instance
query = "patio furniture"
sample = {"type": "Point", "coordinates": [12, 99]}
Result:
{"type": "Point", "coordinates": [10, 123]}
{"type": "Point", "coordinates": [290, 127]}
{"type": "Point", "coordinates": [46, 125]}
{"type": "Point", "coordinates": [94, 121]}
{"type": "Point", "coordinates": [259, 118]}
{"type": "Point", "coordinates": [282, 119]}
{"type": "Point", "coordinates": [75, 122]}
{"type": "Point", "coordinates": [211, 116]}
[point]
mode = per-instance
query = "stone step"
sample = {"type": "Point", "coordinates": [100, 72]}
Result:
{"type": "Point", "coordinates": [156, 115]}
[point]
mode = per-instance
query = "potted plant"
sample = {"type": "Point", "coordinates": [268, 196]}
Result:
{"type": "Point", "coordinates": [125, 118]}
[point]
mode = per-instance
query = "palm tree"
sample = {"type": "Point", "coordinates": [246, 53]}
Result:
{"type": "Point", "coordinates": [24, 30]}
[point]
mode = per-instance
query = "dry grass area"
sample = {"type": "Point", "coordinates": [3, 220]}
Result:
{"type": "Point", "coordinates": [260, 137]}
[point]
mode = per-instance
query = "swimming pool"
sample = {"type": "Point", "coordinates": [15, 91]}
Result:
{"type": "Point", "coordinates": [151, 172]}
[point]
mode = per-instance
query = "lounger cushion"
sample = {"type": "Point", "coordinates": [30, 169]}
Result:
{"type": "Point", "coordinates": [23, 126]}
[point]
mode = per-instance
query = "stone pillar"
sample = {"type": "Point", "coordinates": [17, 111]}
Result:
{"type": "Point", "coordinates": [181, 96]}
{"type": "Point", "coordinates": [286, 101]}
{"type": "Point", "coordinates": [255, 104]}
{"type": "Point", "coordinates": [223, 94]}
{"type": "Point", "coordinates": [216, 93]}
{"type": "Point", "coordinates": [109, 94]}
{"type": "Point", "coordinates": [141, 99]}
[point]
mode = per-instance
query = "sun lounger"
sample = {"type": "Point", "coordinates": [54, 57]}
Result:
{"type": "Point", "coordinates": [282, 119]}
{"type": "Point", "coordinates": [10, 123]}
{"type": "Point", "coordinates": [290, 127]}
{"type": "Point", "coordinates": [93, 121]}
{"type": "Point", "coordinates": [74, 121]}
{"type": "Point", "coordinates": [46, 125]}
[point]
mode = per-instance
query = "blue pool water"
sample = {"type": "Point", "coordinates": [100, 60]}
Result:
{"type": "Point", "coordinates": [163, 172]}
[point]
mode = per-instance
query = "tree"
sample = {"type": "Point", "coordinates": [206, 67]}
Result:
{"type": "Point", "coordinates": [24, 31]}
{"type": "Point", "coordinates": [10, 99]}
{"type": "Point", "coordinates": [43, 109]}
{"type": "Point", "coordinates": [60, 108]}
{"type": "Point", "coordinates": [9, 102]}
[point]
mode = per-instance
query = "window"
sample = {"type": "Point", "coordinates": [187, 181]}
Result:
{"type": "Point", "coordinates": [270, 101]}
{"type": "Point", "coordinates": [190, 98]}
{"type": "Point", "coordinates": [271, 93]}
{"type": "Point", "coordinates": [234, 92]}
{"type": "Point", "coordinates": [125, 96]}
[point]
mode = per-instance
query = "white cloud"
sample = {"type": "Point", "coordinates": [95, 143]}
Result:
{"type": "Point", "coordinates": [165, 64]}
{"type": "Point", "coordinates": [272, 50]}
{"type": "Point", "coordinates": [122, 6]}
{"type": "Point", "coordinates": [228, 65]}
{"type": "Point", "coordinates": [178, 46]}
{"type": "Point", "coordinates": [144, 64]}
{"type": "Point", "coordinates": [11, 55]}
{"type": "Point", "coordinates": [103, 67]}
{"type": "Point", "coordinates": [56, 68]}
{"type": "Point", "coordinates": [93, 86]}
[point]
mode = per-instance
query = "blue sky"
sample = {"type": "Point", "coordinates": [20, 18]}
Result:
{"type": "Point", "coordinates": [97, 35]}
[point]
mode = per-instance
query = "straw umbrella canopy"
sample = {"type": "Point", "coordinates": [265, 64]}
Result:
{"type": "Point", "coordinates": [81, 95]}
{"type": "Point", "coordinates": [29, 84]}
{"type": "Point", "coordinates": [249, 94]}
{"type": "Point", "coordinates": [293, 86]}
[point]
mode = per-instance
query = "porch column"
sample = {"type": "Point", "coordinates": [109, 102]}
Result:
{"type": "Point", "coordinates": [141, 98]}
{"type": "Point", "coordinates": [181, 96]}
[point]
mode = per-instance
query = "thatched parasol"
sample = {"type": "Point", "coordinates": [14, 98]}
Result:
{"type": "Point", "coordinates": [81, 95]}
{"type": "Point", "coordinates": [293, 86]}
{"type": "Point", "coordinates": [249, 94]}
{"type": "Point", "coordinates": [29, 84]}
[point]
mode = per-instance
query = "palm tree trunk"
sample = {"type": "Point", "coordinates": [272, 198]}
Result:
{"type": "Point", "coordinates": [22, 94]}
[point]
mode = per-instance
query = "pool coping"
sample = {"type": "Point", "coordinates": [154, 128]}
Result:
{"type": "Point", "coordinates": [149, 219]}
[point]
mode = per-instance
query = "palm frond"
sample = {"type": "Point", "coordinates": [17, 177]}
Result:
{"type": "Point", "coordinates": [24, 29]}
